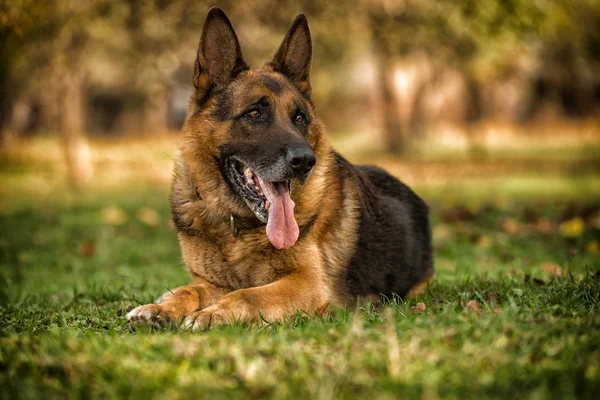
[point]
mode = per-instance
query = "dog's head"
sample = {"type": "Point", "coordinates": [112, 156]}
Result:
{"type": "Point", "coordinates": [251, 137]}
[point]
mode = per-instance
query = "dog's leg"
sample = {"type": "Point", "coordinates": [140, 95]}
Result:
{"type": "Point", "coordinates": [176, 305]}
{"type": "Point", "coordinates": [166, 296]}
{"type": "Point", "coordinates": [273, 302]}
{"type": "Point", "coordinates": [420, 288]}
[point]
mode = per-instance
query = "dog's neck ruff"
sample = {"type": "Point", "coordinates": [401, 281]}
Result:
{"type": "Point", "coordinates": [236, 223]}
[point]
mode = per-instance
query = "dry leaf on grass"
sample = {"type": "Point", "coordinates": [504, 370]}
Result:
{"type": "Point", "coordinates": [544, 225]}
{"type": "Point", "coordinates": [472, 307]}
{"type": "Point", "coordinates": [87, 248]}
{"type": "Point", "coordinates": [511, 225]}
{"type": "Point", "coordinates": [419, 308]}
{"type": "Point", "coordinates": [552, 269]}
{"type": "Point", "coordinates": [483, 242]}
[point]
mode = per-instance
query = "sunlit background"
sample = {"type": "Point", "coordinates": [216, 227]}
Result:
{"type": "Point", "coordinates": [441, 92]}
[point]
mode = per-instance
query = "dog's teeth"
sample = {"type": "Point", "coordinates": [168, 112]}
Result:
{"type": "Point", "coordinates": [248, 173]}
{"type": "Point", "coordinates": [268, 204]}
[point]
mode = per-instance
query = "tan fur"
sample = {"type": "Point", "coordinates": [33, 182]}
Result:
{"type": "Point", "coordinates": [420, 287]}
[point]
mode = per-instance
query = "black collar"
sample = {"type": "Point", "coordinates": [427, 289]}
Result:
{"type": "Point", "coordinates": [236, 224]}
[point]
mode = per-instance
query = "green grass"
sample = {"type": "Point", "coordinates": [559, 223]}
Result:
{"type": "Point", "coordinates": [68, 276]}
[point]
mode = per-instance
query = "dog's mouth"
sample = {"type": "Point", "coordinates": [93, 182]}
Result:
{"type": "Point", "coordinates": [270, 202]}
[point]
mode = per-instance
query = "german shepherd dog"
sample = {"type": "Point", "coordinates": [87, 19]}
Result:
{"type": "Point", "coordinates": [271, 221]}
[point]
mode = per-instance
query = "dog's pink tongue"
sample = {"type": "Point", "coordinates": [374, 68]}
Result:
{"type": "Point", "coordinates": [282, 229]}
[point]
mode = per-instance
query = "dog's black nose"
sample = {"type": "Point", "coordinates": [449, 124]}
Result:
{"type": "Point", "coordinates": [301, 159]}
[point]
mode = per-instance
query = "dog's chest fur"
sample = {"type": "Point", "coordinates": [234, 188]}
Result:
{"type": "Point", "coordinates": [325, 246]}
{"type": "Point", "coordinates": [232, 263]}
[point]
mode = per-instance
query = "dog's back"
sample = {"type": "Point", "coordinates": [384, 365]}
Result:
{"type": "Point", "coordinates": [394, 252]}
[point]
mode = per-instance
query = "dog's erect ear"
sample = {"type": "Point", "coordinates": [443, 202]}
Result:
{"type": "Point", "coordinates": [294, 56]}
{"type": "Point", "coordinates": [219, 58]}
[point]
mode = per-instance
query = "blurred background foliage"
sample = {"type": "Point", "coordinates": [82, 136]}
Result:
{"type": "Point", "coordinates": [399, 71]}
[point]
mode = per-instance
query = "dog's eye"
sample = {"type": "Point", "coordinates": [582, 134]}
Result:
{"type": "Point", "coordinates": [254, 114]}
{"type": "Point", "coordinates": [300, 118]}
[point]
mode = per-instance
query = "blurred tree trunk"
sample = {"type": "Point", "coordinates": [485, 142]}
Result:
{"type": "Point", "coordinates": [416, 120]}
{"type": "Point", "coordinates": [474, 101]}
{"type": "Point", "coordinates": [7, 134]}
{"type": "Point", "coordinates": [71, 124]}
{"type": "Point", "coordinates": [391, 120]}
{"type": "Point", "coordinates": [156, 103]}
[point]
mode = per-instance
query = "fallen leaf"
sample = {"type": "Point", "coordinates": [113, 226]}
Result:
{"type": "Point", "coordinates": [148, 216]}
{"type": "Point", "coordinates": [472, 307]}
{"type": "Point", "coordinates": [510, 225]}
{"type": "Point", "coordinates": [114, 215]}
{"type": "Point", "coordinates": [572, 228]}
{"type": "Point", "coordinates": [87, 248]}
{"type": "Point", "coordinates": [419, 308]}
{"type": "Point", "coordinates": [544, 225]}
{"type": "Point", "coordinates": [592, 247]}
{"type": "Point", "coordinates": [498, 310]}
{"type": "Point", "coordinates": [552, 270]}
{"type": "Point", "coordinates": [483, 241]}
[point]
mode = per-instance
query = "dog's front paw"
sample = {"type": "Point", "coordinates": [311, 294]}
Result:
{"type": "Point", "coordinates": [153, 316]}
{"type": "Point", "coordinates": [145, 316]}
{"type": "Point", "coordinates": [208, 318]}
